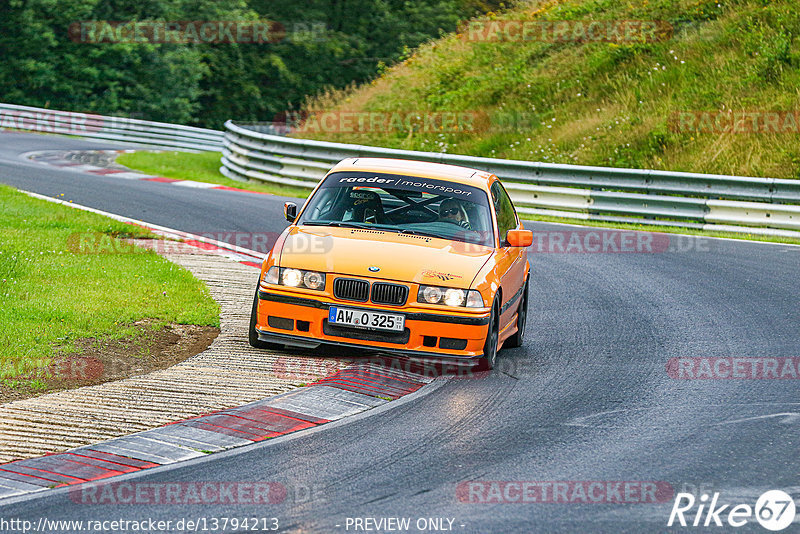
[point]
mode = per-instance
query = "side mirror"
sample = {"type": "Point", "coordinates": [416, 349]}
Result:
{"type": "Point", "coordinates": [519, 238]}
{"type": "Point", "coordinates": [290, 211]}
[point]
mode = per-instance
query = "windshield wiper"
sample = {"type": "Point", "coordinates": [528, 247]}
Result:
{"type": "Point", "coordinates": [383, 228]}
{"type": "Point", "coordinates": [419, 232]}
{"type": "Point", "coordinates": [341, 224]}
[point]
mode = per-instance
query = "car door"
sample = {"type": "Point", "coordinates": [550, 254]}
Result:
{"type": "Point", "coordinates": [511, 261]}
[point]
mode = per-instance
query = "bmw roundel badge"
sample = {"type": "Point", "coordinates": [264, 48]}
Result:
{"type": "Point", "coordinates": [374, 269]}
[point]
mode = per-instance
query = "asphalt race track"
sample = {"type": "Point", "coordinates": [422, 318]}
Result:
{"type": "Point", "coordinates": [587, 399]}
{"type": "Point", "coordinates": [187, 209]}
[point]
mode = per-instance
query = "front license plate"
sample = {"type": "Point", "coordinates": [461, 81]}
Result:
{"type": "Point", "coordinates": [366, 319]}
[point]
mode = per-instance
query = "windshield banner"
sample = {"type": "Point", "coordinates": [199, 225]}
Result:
{"type": "Point", "coordinates": [407, 183]}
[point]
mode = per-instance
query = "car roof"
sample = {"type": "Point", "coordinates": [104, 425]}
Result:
{"type": "Point", "coordinates": [421, 169]}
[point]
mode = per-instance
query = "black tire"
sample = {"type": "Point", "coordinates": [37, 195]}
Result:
{"type": "Point", "coordinates": [489, 358]}
{"type": "Point", "coordinates": [517, 339]}
{"type": "Point", "coordinates": [252, 334]}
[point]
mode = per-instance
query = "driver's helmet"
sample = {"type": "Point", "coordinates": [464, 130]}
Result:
{"type": "Point", "coordinates": [452, 210]}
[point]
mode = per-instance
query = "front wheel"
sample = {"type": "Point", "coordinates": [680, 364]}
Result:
{"type": "Point", "coordinates": [489, 358]}
{"type": "Point", "coordinates": [252, 336]}
{"type": "Point", "coordinates": [522, 317]}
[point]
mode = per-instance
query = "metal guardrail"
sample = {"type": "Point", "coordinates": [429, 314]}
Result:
{"type": "Point", "coordinates": [704, 201]}
{"type": "Point", "coordinates": [137, 131]}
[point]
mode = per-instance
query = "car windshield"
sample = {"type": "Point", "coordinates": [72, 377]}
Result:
{"type": "Point", "coordinates": [405, 204]}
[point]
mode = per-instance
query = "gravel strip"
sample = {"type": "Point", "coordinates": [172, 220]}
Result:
{"type": "Point", "coordinates": [229, 373]}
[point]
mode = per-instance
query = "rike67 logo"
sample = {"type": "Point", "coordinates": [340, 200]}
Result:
{"type": "Point", "coordinates": [774, 510]}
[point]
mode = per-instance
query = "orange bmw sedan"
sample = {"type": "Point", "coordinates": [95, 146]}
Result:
{"type": "Point", "coordinates": [402, 257]}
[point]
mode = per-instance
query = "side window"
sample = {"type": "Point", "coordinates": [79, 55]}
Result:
{"type": "Point", "coordinates": [506, 216]}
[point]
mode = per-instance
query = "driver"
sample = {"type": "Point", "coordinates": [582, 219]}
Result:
{"type": "Point", "coordinates": [452, 211]}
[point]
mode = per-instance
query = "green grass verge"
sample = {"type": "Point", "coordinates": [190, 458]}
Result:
{"type": "Point", "coordinates": [52, 294]}
{"type": "Point", "coordinates": [200, 167]}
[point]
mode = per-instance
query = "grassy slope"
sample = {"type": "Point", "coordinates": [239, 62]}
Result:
{"type": "Point", "coordinates": [51, 296]}
{"type": "Point", "coordinates": [602, 103]}
{"type": "Point", "coordinates": [200, 167]}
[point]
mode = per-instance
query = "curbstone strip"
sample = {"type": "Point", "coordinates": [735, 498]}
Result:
{"type": "Point", "coordinates": [10, 488]}
{"type": "Point", "coordinates": [70, 467]}
{"type": "Point", "coordinates": [101, 162]}
{"type": "Point", "coordinates": [327, 400]}
{"type": "Point", "coordinates": [203, 439]}
{"type": "Point", "coordinates": [105, 464]}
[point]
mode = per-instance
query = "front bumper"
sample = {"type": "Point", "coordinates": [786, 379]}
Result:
{"type": "Point", "coordinates": [303, 322]}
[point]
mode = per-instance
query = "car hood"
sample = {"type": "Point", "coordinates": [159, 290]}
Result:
{"type": "Point", "coordinates": [401, 257]}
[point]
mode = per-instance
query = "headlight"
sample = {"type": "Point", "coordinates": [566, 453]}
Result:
{"type": "Point", "coordinates": [457, 298]}
{"type": "Point", "coordinates": [291, 277]}
{"type": "Point", "coordinates": [431, 295]}
{"type": "Point", "coordinates": [454, 297]}
{"type": "Point", "coordinates": [295, 278]}
{"type": "Point", "coordinates": [314, 280]}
